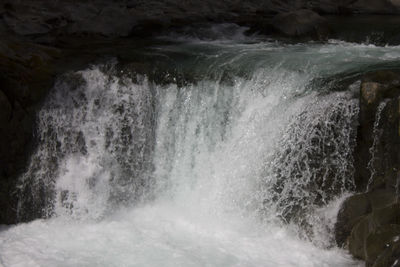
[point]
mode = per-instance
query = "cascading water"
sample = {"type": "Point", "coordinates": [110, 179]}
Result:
{"type": "Point", "coordinates": [376, 132]}
{"type": "Point", "coordinates": [96, 137]}
{"type": "Point", "coordinates": [244, 164]}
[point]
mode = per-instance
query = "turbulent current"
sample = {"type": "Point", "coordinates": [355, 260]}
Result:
{"type": "Point", "coordinates": [231, 151]}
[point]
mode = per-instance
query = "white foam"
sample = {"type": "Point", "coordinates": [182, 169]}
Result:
{"type": "Point", "coordinates": [160, 235]}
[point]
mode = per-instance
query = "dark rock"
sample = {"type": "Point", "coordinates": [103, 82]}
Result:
{"type": "Point", "coordinates": [352, 211]}
{"type": "Point", "coordinates": [110, 21]}
{"type": "Point", "coordinates": [356, 6]}
{"type": "Point", "coordinates": [370, 235]}
{"type": "Point", "coordinates": [375, 6]}
{"type": "Point", "coordinates": [367, 29]}
{"type": "Point", "coordinates": [376, 171]}
{"type": "Point", "coordinates": [381, 198]}
{"type": "Point", "coordinates": [377, 241]}
{"type": "Point", "coordinates": [357, 238]}
{"type": "Point", "coordinates": [358, 207]}
{"type": "Point", "coordinates": [20, 26]}
{"type": "Point", "coordinates": [25, 75]}
{"type": "Point", "coordinates": [5, 110]}
{"type": "Point", "coordinates": [385, 216]}
{"type": "Point", "coordinates": [301, 23]}
{"type": "Point", "coordinates": [391, 255]}
{"type": "Point", "coordinates": [378, 120]}
{"type": "Point", "coordinates": [148, 27]}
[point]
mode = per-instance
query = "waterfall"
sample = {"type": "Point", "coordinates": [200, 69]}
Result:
{"type": "Point", "coordinates": [95, 143]}
{"type": "Point", "coordinates": [101, 138]}
{"type": "Point", "coordinates": [243, 163]}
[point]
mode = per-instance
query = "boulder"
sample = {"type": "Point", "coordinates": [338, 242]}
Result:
{"type": "Point", "coordinates": [378, 137]}
{"type": "Point", "coordinates": [357, 238]}
{"type": "Point", "coordinates": [385, 216]}
{"type": "Point", "coordinates": [358, 206]}
{"type": "Point", "coordinates": [377, 241]}
{"type": "Point", "coordinates": [391, 255]}
{"type": "Point", "coordinates": [372, 234]}
{"type": "Point", "coordinates": [381, 198]}
{"type": "Point", "coordinates": [351, 212]}
{"type": "Point", "coordinates": [373, 217]}
{"type": "Point", "coordinates": [301, 23]}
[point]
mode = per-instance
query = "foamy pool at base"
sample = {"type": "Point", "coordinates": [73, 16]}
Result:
{"type": "Point", "coordinates": [160, 235]}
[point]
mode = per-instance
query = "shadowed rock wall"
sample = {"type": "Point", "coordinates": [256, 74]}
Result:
{"type": "Point", "coordinates": [369, 222]}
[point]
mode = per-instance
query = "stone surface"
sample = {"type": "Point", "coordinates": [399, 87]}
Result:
{"type": "Point", "coordinates": [379, 92]}
{"type": "Point", "coordinates": [5, 109]}
{"type": "Point", "coordinates": [370, 236]}
{"type": "Point", "coordinates": [381, 198]}
{"type": "Point", "coordinates": [300, 23]}
{"type": "Point", "coordinates": [377, 241]}
{"type": "Point", "coordinates": [352, 211]}
{"type": "Point", "coordinates": [357, 238]}
{"type": "Point", "coordinates": [391, 255]}
{"type": "Point", "coordinates": [373, 217]}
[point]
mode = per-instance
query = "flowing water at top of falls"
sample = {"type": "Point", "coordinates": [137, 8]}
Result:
{"type": "Point", "coordinates": [239, 154]}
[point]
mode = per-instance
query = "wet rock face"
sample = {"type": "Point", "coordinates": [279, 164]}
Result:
{"type": "Point", "coordinates": [391, 254]}
{"type": "Point", "coordinates": [374, 233]}
{"type": "Point", "coordinates": [351, 212]}
{"type": "Point", "coordinates": [25, 72]}
{"type": "Point", "coordinates": [376, 155]}
{"type": "Point", "coordinates": [355, 208]}
{"type": "Point", "coordinates": [369, 223]}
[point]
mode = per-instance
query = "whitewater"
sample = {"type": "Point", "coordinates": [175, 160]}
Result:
{"type": "Point", "coordinates": [240, 156]}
